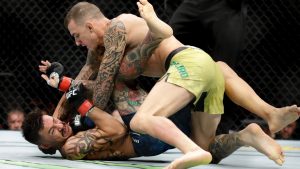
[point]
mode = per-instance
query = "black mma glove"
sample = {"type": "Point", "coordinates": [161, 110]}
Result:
{"type": "Point", "coordinates": [56, 80]}
{"type": "Point", "coordinates": [81, 123]}
{"type": "Point", "coordinates": [75, 96]}
{"type": "Point", "coordinates": [55, 68]}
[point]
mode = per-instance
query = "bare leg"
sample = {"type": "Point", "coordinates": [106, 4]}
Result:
{"type": "Point", "coordinates": [223, 145]}
{"type": "Point", "coordinates": [204, 127]}
{"type": "Point", "coordinates": [164, 100]}
{"type": "Point", "coordinates": [243, 95]}
{"type": "Point", "coordinates": [252, 135]}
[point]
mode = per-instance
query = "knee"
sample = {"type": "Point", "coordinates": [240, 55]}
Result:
{"type": "Point", "coordinates": [137, 123]}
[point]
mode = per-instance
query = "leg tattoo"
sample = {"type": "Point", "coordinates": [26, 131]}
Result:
{"type": "Point", "coordinates": [224, 145]}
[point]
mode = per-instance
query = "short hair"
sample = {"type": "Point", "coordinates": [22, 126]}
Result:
{"type": "Point", "coordinates": [31, 126]}
{"type": "Point", "coordinates": [82, 11]}
{"type": "Point", "coordinates": [15, 111]}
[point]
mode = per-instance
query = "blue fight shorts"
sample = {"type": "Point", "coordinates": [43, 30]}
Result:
{"type": "Point", "coordinates": [145, 145]}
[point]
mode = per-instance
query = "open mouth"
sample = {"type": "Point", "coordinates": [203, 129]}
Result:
{"type": "Point", "coordinates": [64, 130]}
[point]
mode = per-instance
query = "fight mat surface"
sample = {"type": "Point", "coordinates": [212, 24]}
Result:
{"type": "Point", "coordinates": [16, 153]}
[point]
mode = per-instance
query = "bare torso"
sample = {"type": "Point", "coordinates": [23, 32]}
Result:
{"type": "Point", "coordinates": [155, 66]}
{"type": "Point", "coordinates": [94, 146]}
{"type": "Point", "coordinates": [97, 146]}
{"type": "Point", "coordinates": [137, 29]}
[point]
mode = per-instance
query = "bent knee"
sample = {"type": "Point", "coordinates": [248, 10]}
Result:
{"type": "Point", "coordinates": [137, 123]}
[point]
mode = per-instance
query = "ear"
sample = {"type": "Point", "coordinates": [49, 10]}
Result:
{"type": "Point", "coordinates": [44, 146]}
{"type": "Point", "coordinates": [89, 26]}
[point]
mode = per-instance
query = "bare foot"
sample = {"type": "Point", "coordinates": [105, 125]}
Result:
{"type": "Point", "coordinates": [282, 117]}
{"type": "Point", "coordinates": [190, 159]}
{"type": "Point", "coordinates": [254, 136]}
{"type": "Point", "coordinates": [158, 28]}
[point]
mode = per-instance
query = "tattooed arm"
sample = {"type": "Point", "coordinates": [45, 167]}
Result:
{"type": "Point", "coordinates": [107, 123]}
{"type": "Point", "coordinates": [95, 141]}
{"type": "Point", "coordinates": [91, 66]}
{"type": "Point", "coordinates": [158, 31]}
{"type": "Point", "coordinates": [93, 144]}
{"type": "Point", "coordinates": [115, 43]}
{"type": "Point", "coordinates": [88, 70]}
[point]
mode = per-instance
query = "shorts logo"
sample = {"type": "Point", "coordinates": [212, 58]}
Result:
{"type": "Point", "coordinates": [181, 69]}
{"type": "Point", "coordinates": [134, 139]}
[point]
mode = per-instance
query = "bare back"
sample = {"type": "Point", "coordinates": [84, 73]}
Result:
{"type": "Point", "coordinates": [136, 30]}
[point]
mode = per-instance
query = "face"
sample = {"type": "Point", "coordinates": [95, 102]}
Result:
{"type": "Point", "coordinates": [288, 130]}
{"type": "Point", "coordinates": [15, 121]}
{"type": "Point", "coordinates": [84, 35]}
{"type": "Point", "coordinates": [55, 132]}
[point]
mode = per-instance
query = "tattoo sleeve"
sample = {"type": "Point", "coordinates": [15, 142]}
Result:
{"type": "Point", "coordinates": [89, 69]}
{"type": "Point", "coordinates": [114, 42]}
{"type": "Point", "coordinates": [224, 145]}
{"type": "Point", "coordinates": [85, 143]}
{"type": "Point", "coordinates": [91, 66]}
{"type": "Point", "coordinates": [134, 62]}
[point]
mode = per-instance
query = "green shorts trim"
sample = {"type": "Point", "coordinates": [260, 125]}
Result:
{"type": "Point", "coordinates": [197, 72]}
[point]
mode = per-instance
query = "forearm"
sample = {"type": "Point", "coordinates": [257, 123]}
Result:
{"type": "Point", "coordinates": [107, 123]}
{"type": "Point", "coordinates": [60, 110]}
{"type": "Point", "coordinates": [115, 43]}
{"type": "Point", "coordinates": [91, 66]}
{"type": "Point", "coordinates": [85, 73]}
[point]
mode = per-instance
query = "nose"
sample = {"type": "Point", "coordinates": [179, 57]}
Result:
{"type": "Point", "coordinates": [78, 42]}
{"type": "Point", "coordinates": [58, 124]}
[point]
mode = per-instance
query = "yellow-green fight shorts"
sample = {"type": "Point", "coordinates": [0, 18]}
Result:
{"type": "Point", "coordinates": [194, 70]}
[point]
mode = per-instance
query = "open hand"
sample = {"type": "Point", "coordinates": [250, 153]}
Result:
{"type": "Point", "coordinates": [45, 64]}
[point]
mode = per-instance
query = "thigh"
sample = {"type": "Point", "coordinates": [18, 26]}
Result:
{"type": "Point", "coordinates": [165, 99]}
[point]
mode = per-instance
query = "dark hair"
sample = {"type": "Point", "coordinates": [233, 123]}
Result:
{"type": "Point", "coordinates": [48, 150]}
{"type": "Point", "coordinates": [31, 126]}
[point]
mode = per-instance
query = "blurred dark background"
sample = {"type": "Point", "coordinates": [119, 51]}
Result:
{"type": "Point", "coordinates": [32, 30]}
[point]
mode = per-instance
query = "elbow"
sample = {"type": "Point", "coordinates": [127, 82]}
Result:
{"type": "Point", "coordinates": [170, 32]}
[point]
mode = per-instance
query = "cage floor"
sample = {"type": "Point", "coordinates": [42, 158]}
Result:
{"type": "Point", "coordinates": [16, 153]}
